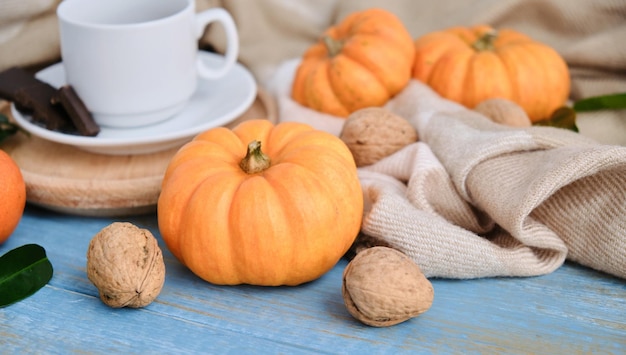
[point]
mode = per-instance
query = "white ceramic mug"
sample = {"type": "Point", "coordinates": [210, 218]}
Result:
{"type": "Point", "coordinates": [135, 62]}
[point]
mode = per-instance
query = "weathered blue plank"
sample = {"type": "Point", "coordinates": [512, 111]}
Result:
{"type": "Point", "coordinates": [573, 310]}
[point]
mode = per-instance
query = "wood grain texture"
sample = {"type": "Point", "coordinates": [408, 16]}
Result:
{"type": "Point", "coordinates": [71, 180]}
{"type": "Point", "coordinates": [574, 310]}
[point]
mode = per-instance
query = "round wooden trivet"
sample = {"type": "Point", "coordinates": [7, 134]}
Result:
{"type": "Point", "coordinates": [70, 180]}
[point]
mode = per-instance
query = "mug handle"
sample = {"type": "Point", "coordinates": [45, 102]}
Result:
{"type": "Point", "coordinates": [232, 39]}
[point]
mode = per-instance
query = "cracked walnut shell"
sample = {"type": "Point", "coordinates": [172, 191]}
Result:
{"type": "Point", "coordinates": [384, 287]}
{"type": "Point", "coordinates": [126, 264]}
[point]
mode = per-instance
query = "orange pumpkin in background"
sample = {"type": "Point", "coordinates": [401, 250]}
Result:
{"type": "Point", "coordinates": [261, 204]}
{"type": "Point", "coordinates": [362, 62]}
{"type": "Point", "coordinates": [470, 65]}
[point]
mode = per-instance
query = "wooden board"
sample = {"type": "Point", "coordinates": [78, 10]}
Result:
{"type": "Point", "coordinates": [70, 180]}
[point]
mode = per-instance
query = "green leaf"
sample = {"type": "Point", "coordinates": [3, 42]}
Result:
{"type": "Point", "coordinates": [606, 102]}
{"type": "Point", "coordinates": [563, 117]}
{"type": "Point", "coordinates": [7, 128]}
{"type": "Point", "coordinates": [23, 271]}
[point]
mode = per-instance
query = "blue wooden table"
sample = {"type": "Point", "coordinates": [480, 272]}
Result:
{"type": "Point", "coordinates": [574, 310]}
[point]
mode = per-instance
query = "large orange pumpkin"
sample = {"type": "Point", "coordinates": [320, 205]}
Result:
{"type": "Point", "coordinates": [261, 204]}
{"type": "Point", "coordinates": [469, 65]}
{"type": "Point", "coordinates": [362, 62]}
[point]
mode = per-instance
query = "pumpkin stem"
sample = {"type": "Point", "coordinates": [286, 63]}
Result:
{"type": "Point", "coordinates": [255, 160]}
{"type": "Point", "coordinates": [485, 42]}
{"type": "Point", "coordinates": [333, 46]}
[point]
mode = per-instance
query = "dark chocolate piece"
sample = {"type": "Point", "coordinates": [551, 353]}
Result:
{"type": "Point", "coordinates": [76, 109]}
{"type": "Point", "coordinates": [58, 110]}
{"type": "Point", "coordinates": [32, 96]}
{"type": "Point", "coordinates": [37, 99]}
{"type": "Point", "coordinates": [13, 79]}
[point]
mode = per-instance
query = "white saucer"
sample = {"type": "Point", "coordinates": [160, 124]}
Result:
{"type": "Point", "coordinates": [215, 103]}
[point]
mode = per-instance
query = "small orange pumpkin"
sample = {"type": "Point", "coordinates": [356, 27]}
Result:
{"type": "Point", "coordinates": [470, 65]}
{"type": "Point", "coordinates": [362, 62]}
{"type": "Point", "coordinates": [234, 214]}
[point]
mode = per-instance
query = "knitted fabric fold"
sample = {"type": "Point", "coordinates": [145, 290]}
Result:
{"type": "Point", "coordinates": [550, 193]}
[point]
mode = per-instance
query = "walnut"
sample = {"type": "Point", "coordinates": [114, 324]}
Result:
{"type": "Point", "coordinates": [383, 287]}
{"type": "Point", "coordinates": [374, 133]}
{"type": "Point", "coordinates": [126, 264]}
{"type": "Point", "coordinates": [504, 111]}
